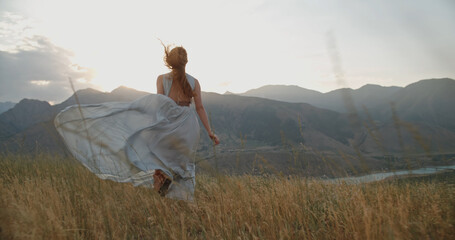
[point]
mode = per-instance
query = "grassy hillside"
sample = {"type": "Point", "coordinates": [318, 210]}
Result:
{"type": "Point", "coordinates": [43, 197]}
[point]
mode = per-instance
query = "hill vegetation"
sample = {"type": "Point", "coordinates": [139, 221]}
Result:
{"type": "Point", "coordinates": [46, 197]}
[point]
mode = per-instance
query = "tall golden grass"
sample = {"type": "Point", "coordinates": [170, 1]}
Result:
{"type": "Point", "coordinates": [44, 197]}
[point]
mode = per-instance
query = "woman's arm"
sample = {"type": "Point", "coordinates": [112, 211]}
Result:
{"type": "Point", "coordinates": [202, 114]}
{"type": "Point", "coordinates": [159, 85]}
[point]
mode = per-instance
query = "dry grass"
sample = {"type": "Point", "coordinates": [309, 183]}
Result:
{"type": "Point", "coordinates": [46, 198]}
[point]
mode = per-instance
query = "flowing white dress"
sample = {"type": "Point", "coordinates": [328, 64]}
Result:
{"type": "Point", "coordinates": [128, 141]}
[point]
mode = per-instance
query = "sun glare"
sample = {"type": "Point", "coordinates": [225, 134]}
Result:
{"type": "Point", "coordinates": [235, 45]}
{"type": "Point", "coordinates": [121, 45]}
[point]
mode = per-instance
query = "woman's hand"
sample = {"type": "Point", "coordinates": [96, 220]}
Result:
{"type": "Point", "coordinates": [214, 138]}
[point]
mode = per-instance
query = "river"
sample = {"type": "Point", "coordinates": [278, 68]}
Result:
{"type": "Point", "coordinates": [381, 176]}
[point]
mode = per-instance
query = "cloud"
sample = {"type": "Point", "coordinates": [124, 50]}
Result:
{"type": "Point", "coordinates": [39, 69]}
{"type": "Point", "coordinates": [14, 30]}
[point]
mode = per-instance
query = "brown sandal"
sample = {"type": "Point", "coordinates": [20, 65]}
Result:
{"type": "Point", "coordinates": [161, 182]}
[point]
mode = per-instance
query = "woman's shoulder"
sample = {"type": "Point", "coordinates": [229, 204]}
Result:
{"type": "Point", "coordinates": [166, 76]}
{"type": "Point", "coordinates": [191, 80]}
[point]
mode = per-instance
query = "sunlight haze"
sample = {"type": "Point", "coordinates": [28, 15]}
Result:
{"type": "Point", "coordinates": [232, 45]}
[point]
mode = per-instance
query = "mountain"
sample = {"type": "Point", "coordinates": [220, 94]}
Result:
{"type": "Point", "coordinates": [429, 101]}
{"type": "Point", "coordinates": [246, 125]}
{"type": "Point", "coordinates": [92, 96]}
{"type": "Point", "coordinates": [29, 124]}
{"type": "Point", "coordinates": [421, 110]}
{"type": "Point", "coordinates": [4, 106]}
{"type": "Point", "coordinates": [24, 114]}
{"type": "Point", "coordinates": [261, 121]}
{"type": "Point", "coordinates": [406, 138]}
{"type": "Point", "coordinates": [39, 137]}
{"type": "Point", "coordinates": [285, 93]}
{"type": "Point", "coordinates": [369, 96]}
{"type": "Point", "coordinates": [271, 122]}
{"type": "Point", "coordinates": [280, 133]}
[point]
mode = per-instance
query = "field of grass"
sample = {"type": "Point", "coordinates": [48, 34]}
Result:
{"type": "Point", "coordinates": [45, 197]}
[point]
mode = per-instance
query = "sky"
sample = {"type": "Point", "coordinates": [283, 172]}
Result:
{"type": "Point", "coordinates": [232, 45]}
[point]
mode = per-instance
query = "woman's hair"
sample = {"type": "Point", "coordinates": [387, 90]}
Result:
{"type": "Point", "coordinates": [176, 60]}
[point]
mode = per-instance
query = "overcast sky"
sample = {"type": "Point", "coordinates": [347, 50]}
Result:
{"type": "Point", "coordinates": [233, 45]}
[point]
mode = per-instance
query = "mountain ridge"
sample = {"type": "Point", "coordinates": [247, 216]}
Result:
{"type": "Point", "coordinates": [370, 96]}
{"type": "Point", "coordinates": [253, 125]}
{"type": "Point", "coordinates": [5, 106]}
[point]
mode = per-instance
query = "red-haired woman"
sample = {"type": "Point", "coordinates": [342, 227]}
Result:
{"type": "Point", "coordinates": [150, 141]}
{"type": "Point", "coordinates": [182, 88]}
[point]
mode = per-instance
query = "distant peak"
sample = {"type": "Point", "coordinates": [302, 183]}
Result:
{"type": "Point", "coordinates": [340, 90]}
{"type": "Point", "coordinates": [31, 104]}
{"type": "Point", "coordinates": [121, 88]}
{"type": "Point", "coordinates": [28, 101]}
{"type": "Point", "coordinates": [447, 80]}
{"type": "Point", "coordinates": [281, 88]}
{"type": "Point", "coordinates": [126, 90]}
{"type": "Point", "coordinates": [432, 82]}
{"type": "Point", "coordinates": [87, 91]}
{"type": "Point", "coordinates": [369, 85]}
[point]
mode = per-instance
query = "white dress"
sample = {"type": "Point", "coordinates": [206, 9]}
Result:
{"type": "Point", "coordinates": [127, 142]}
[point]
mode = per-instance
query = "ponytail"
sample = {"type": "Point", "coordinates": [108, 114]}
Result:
{"type": "Point", "coordinates": [176, 60]}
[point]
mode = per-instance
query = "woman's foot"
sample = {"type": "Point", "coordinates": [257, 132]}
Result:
{"type": "Point", "coordinates": [161, 182]}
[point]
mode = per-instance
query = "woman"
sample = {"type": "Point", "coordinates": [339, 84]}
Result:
{"type": "Point", "coordinates": [151, 140]}
{"type": "Point", "coordinates": [182, 88]}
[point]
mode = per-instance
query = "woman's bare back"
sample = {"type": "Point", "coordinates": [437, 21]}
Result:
{"type": "Point", "coordinates": [175, 93]}
{"type": "Point", "coordinates": [197, 102]}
